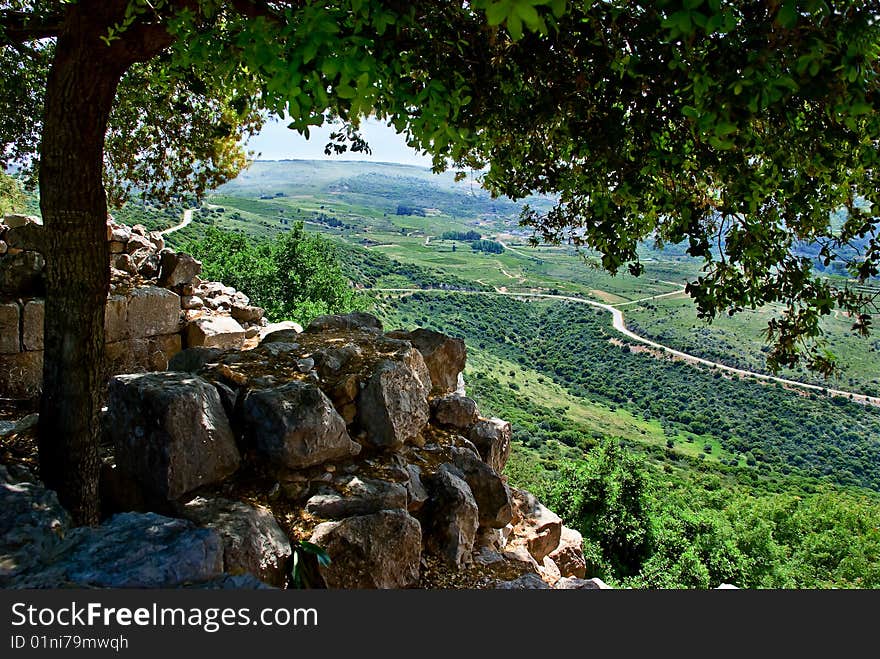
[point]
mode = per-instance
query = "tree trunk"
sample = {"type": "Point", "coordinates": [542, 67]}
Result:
{"type": "Point", "coordinates": [79, 97]}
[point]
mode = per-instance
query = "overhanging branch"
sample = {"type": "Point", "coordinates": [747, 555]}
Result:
{"type": "Point", "coordinates": [21, 27]}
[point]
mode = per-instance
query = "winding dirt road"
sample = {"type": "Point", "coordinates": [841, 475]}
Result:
{"type": "Point", "coordinates": [619, 324]}
{"type": "Point", "coordinates": [187, 218]}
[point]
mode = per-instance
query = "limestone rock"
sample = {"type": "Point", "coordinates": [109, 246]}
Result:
{"type": "Point", "coordinates": [10, 338]}
{"type": "Point", "coordinates": [16, 220]}
{"type": "Point", "coordinates": [29, 237]}
{"type": "Point", "coordinates": [138, 242]}
{"type": "Point", "coordinates": [549, 571]}
{"type": "Point", "coordinates": [356, 496]}
{"type": "Point", "coordinates": [381, 550]}
{"type": "Point", "coordinates": [569, 555]}
{"type": "Point", "coordinates": [245, 313]}
{"type": "Point", "coordinates": [152, 311]}
{"type": "Point", "coordinates": [490, 492]}
{"type": "Point", "coordinates": [132, 550]}
{"type": "Point", "coordinates": [215, 332]}
{"type": "Point", "coordinates": [527, 581]}
{"type": "Point", "coordinates": [539, 528]}
{"type": "Point", "coordinates": [392, 407]}
{"type": "Point", "coordinates": [492, 438]}
{"type": "Point", "coordinates": [283, 332]}
{"type": "Point", "coordinates": [444, 356]}
{"type": "Point", "coordinates": [176, 268]}
{"type": "Point", "coordinates": [116, 319]}
{"type": "Point", "coordinates": [296, 425]}
{"type": "Point", "coordinates": [191, 302]}
{"type": "Point", "coordinates": [416, 493]}
{"type": "Point", "coordinates": [352, 321]}
{"type": "Point", "coordinates": [230, 582]}
{"type": "Point", "coordinates": [32, 325]}
{"type": "Point", "coordinates": [573, 583]}
{"type": "Point", "coordinates": [253, 543]}
{"type": "Point", "coordinates": [191, 360]}
{"type": "Point", "coordinates": [170, 432]}
{"type": "Point", "coordinates": [452, 517]}
{"type": "Point", "coordinates": [21, 274]}
{"type": "Point", "coordinates": [32, 525]}
{"type": "Point", "coordinates": [454, 410]}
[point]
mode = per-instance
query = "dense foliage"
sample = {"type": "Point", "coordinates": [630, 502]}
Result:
{"type": "Point", "coordinates": [488, 246]}
{"type": "Point", "coordinates": [767, 426]}
{"type": "Point", "coordinates": [296, 276]}
{"type": "Point", "coordinates": [11, 195]}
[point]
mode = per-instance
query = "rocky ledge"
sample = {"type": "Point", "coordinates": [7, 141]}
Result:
{"type": "Point", "coordinates": [358, 441]}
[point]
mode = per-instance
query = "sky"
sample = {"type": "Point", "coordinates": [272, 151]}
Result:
{"type": "Point", "coordinates": [277, 142]}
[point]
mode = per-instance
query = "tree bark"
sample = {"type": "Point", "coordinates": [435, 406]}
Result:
{"type": "Point", "coordinates": [80, 92]}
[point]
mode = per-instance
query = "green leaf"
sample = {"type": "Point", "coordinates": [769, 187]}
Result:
{"type": "Point", "coordinates": [787, 15]}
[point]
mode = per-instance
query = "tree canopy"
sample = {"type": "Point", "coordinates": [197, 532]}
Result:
{"type": "Point", "coordinates": [736, 125]}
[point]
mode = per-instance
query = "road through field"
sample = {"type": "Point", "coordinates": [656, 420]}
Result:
{"type": "Point", "coordinates": [619, 324]}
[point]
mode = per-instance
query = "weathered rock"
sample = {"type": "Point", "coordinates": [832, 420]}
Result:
{"type": "Point", "coordinates": [490, 492]}
{"type": "Point", "coordinates": [416, 493]}
{"type": "Point", "coordinates": [152, 311]}
{"type": "Point", "coordinates": [724, 586]}
{"type": "Point", "coordinates": [230, 582]}
{"type": "Point", "coordinates": [353, 321]}
{"type": "Point", "coordinates": [21, 375]}
{"type": "Point", "coordinates": [451, 517]}
{"type": "Point", "coordinates": [32, 525]}
{"type": "Point", "coordinates": [157, 240]}
{"type": "Point", "coordinates": [116, 247]}
{"type": "Point", "coordinates": [138, 355]}
{"type": "Point", "coordinates": [191, 360]}
{"type": "Point", "coordinates": [527, 581]}
{"type": "Point", "coordinates": [132, 550]}
{"type": "Point", "coordinates": [246, 313]}
{"type": "Point", "coordinates": [539, 528]}
{"type": "Point", "coordinates": [492, 439]}
{"type": "Point", "coordinates": [176, 268]}
{"type": "Point", "coordinates": [124, 263]}
{"type": "Point", "coordinates": [32, 325]}
{"type": "Point", "coordinates": [218, 302]}
{"type": "Point", "coordinates": [148, 267]}
{"type": "Point", "coordinates": [392, 407]}
{"type": "Point", "coordinates": [170, 432]}
{"type": "Point", "coordinates": [29, 236]}
{"type": "Point", "coordinates": [191, 302]}
{"type": "Point", "coordinates": [10, 337]}
{"type": "Point", "coordinates": [573, 583]}
{"type": "Point", "coordinates": [356, 496]}
{"type": "Point", "coordinates": [520, 556]}
{"type": "Point", "coordinates": [283, 332]}
{"type": "Point", "coordinates": [253, 543]}
{"type": "Point", "coordinates": [21, 274]}
{"type": "Point", "coordinates": [215, 332]}
{"type": "Point", "coordinates": [549, 571]}
{"type": "Point", "coordinates": [3, 247]}
{"type": "Point", "coordinates": [454, 410]}
{"type": "Point", "coordinates": [137, 242]}
{"type": "Point", "coordinates": [16, 220]}
{"type": "Point", "coordinates": [381, 550]}
{"type": "Point", "coordinates": [569, 555]}
{"type": "Point", "coordinates": [444, 356]}
{"type": "Point", "coordinates": [116, 318]}
{"type": "Point", "coordinates": [296, 425]}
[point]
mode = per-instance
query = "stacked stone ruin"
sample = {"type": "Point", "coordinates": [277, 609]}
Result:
{"type": "Point", "coordinates": [359, 440]}
{"type": "Point", "coordinates": [157, 305]}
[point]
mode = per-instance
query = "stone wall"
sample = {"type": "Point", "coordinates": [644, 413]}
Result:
{"type": "Point", "coordinates": [157, 305]}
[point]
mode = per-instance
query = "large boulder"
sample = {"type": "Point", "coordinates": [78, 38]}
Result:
{"type": "Point", "coordinates": [444, 356]}
{"type": "Point", "coordinates": [490, 492]}
{"type": "Point", "coordinates": [191, 360]}
{"type": "Point", "coordinates": [170, 432]}
{"type": "Point", "coordinates": [356, 496]}
{"type": "Point", "coordinates": [569, 555]}
{"type": "Point", "coordinates": [574, 583]}
{"type": "Point", "coordinates": [352, 321]}
{"type": "Point", "coordinates": [32, 525]}
{"type": "Point", "coordinates": [176, 269]}
{"type": "Point", "coordinates": [452, 517]}
{"type": "Point", "coordinates": [32, 324]}
{"type": "Point", "coordinates": [131, 550]}
{"type": "Point", "coordinates": [528, 581]}
{"type": "Point", "coordinates": [393, 407]}
{"type": "Point", "coordinates": [454, 410]}
{"type": "Point", "coordinates": [152, 311]}
{"type": "Point", "coordinates": [284, 325]}
{"type": "Point", "coordinates": [492, 438]}
{"type": "Point", "coordinates": [296, 425]}
{"type": "Point", "coordinates": [381, 550]}
{"type": "Point", "coordinates": [21, 274]}
{"type": "Point", "coordinates": [10, 337]}
{"type": "Point", "coordinates": [535, 525]}
{"type": "Point", "coordinates": [253, 543]}
{"type": "Point", "coordinates": [220, 332]}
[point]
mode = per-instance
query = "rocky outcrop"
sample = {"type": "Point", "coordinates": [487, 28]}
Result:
{"type": "Point", "coordinates": [381, 550]}
{"type": "Point", "coordinates": [454, 517]}
{"type": "Point", "coordinates": [253, 543]}
{"type": "Point", "coordinates": [538, 528]}
{"type": "Point", "coordinates": [170, 433]}
{"type": "Point", "coordinates": [444, 356]}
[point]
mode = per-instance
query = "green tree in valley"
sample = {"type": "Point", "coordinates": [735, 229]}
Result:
{"type": "Point", "coordinates": [296, 276]}
{"type": "Point", "coordinates": [11, 195]}
{"type": "Point", "coordinates": [736, 125]}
